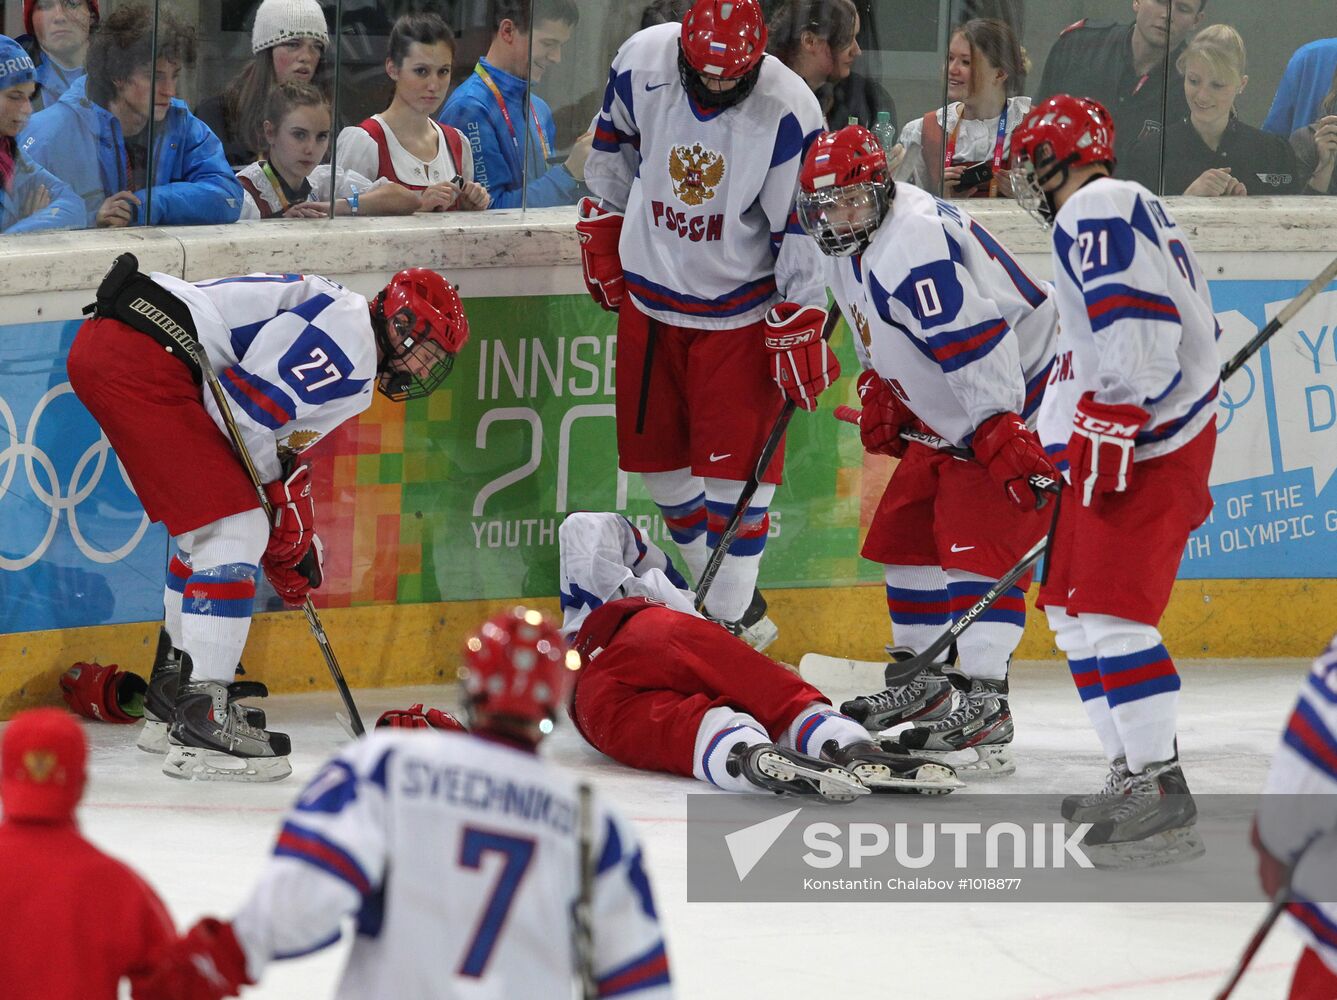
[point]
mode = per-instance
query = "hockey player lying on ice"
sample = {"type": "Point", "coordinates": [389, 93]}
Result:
{"type": "Point", "coordinates": [665, 689]}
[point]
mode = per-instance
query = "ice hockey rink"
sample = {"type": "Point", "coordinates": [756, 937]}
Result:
{"type": "Point", "coordinates": [201, 846]}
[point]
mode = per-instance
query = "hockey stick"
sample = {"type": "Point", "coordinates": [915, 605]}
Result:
{"type": "Point", "coordinates": [1279, 320]}
{"type": "Point", "coordinates": [581, 912]}
{"type": "Point", "coordinates": [768, 451]}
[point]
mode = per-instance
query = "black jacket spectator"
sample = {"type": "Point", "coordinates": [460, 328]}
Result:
{"type": "Point", "coordinates": [1262, 162]}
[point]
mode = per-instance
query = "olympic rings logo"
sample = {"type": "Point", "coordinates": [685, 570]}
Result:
{"type": "Point", "coordinates": [1227, 404]}
{"type": "Point", "coordinates": [84, 479]}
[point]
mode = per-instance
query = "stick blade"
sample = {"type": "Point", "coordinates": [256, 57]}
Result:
{"type": "Point", "coordinates": [839, 673]}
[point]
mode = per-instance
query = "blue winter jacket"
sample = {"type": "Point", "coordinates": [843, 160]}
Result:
{"type": "Point", "coordinates": [81, 143]}
{"type": "Point", "coordinates": [63, 211]}
{"type": "Point", "coordinates": [502, 164]}
{"type": "Point", "coordinates": [52, 80]}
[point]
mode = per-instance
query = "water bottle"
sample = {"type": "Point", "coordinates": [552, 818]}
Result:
{"type": "Point", "coordinates": [884, 131]}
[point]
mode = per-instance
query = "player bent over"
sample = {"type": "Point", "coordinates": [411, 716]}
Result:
{"type": "Point", "coordinates": [957, 339]}
{"type": "Point", "coordinates": [297, 355]}
{"type": "Point", "coordinates": [694, 167]}
{"type": "Point", "coordinates": [665, 689]}
{"type": "Point", "coordinates": [459, 853]}
{"type": "Point", "coordinates": [1129, 411]}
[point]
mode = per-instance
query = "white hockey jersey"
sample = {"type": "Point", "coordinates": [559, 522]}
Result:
{"type": "Point", "coordinates": [958, 329]}
{"type": "Point", "coordinates": [1299, 807]}
{"type": "Point", "coordinates": [604, 557]}
{"type": "Point", "coordinates": [295, 353]}
{"type": "Point", "coordinates": [459, 859]}
{"type": "Point", "coordinates": [709, 196]}
{"type": "Point", "coordinates": [1137, 318]}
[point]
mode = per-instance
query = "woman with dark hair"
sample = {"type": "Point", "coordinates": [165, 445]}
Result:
{"type": "Point", "coordinates": [288, 43]}
{"type": "Point", "coordinates": [30, 198]}
{"type": "Point", "coordinates": [818, 40]}
{"type": "Point", "coordinates": [986, 72]}
{"type": "Point", "coordinates": [405, 142]}
{"type": "Point", "coordinates": [1315, 146]}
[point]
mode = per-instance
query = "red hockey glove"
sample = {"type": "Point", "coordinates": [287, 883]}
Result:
{"type": "Point", "coordinates": [883, 417]}
{"type": "Point", "coordinates": [1271, 870]}
{"type": "Point", "coordinates": [599, 231]}
{"type": "Point", "coordinates": [802, 363]}
{"type": "Point", "coordinates": [415, 717]}
{"type": "Point", "coordinates": [1012, 453]}
{"type": "Point", "coordinates": [206, 964]}
{"type": "Point", "coordinates": [293, 583]}
{"type": "Point", "coordinates": [294, 517]}
{"type": "Point", "coordinates": [104, 691]}
{"type": "Point", "coordinates": [1100, 451]}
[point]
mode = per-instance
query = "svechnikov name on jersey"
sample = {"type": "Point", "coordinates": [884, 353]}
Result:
{"type": "Point", "coordinates": [477, 789]}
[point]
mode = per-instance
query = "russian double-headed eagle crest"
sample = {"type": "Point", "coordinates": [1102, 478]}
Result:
{"type": "Point", "coordinates": [696, 173]}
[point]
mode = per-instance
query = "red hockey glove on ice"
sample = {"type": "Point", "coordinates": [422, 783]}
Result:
{"type": "Point", "coordinates": [883, 417]}
{"type": "Point", "coordinates": [206, 964]}
{"type": "Point", "coordinates": [104, 691]}
{"type": "Point", "coordinates": [293, 583]}
{"type": "Point", "coordinates": [1100, 451]}
{"type": "Point", "coordinates": [415, 717]}
{"type": "Point", "coordinates": [1012, 453]}
{"type": "Point", "coordinates": [599, 231]}
{"type": "Point", "coordinates": [802, 363]}
{"type": "Point", "coordinates": [294, 516]}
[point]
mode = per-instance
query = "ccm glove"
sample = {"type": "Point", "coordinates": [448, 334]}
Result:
{"type": "Point", "coordinates": [294, 582]}
{"type": "Point", "coordinates": [416, 717]}
{"type": "Point", "coordinates": [883, 417]}
{"type": "Point", "coordinates": [1100, 451]}
{"type": "Point", "coordinates": [802, 363]}
{"type": "Point", "coordinates": [104, 691]}
{"type": "Point", "coordinates": [599, 231]}
{"type": "Point", "coordinates": [294, 522]}
{"type": "Point", "coordinates": [1012, 453]}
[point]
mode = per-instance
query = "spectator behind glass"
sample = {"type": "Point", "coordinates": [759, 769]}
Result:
{"type": "Point", "coordinates": [404, 143]}
{"type": "Point", "coordinates": [1212, 152]}
{"type": "Point", "coordinates": [817, 39]}
{"type": "Point", "coordinates": [57, 39]}
{"type": "Point", "coordinates": [1315, 145]}
{"type": "Point", "coordinates": [288, 42]}
{"type": "Point", "coordinates": [1302, 88]}
{"type": "Point", "coordinates": [291, 181]}
{"type": "Point", "coordinates": [1123, 66]}
{"type": "Point", "coordinates": [986, 70]}
{"type": "Point", "coordinates": [663, 12]}
{"type": "Point", "coordinates": [95, 138]}
{"type": "Point", "coordinates": [491, 108]}
{"type": "Point", "coordinates": [30, 198]}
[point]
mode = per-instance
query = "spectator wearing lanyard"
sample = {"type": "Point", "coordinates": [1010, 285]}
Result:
{"type": "Point", "coordinates": [1123, 66]}
{"type": "Point", "coordinates": [494, 104]}
{"type": "Point", "coordinates": [986, 69]}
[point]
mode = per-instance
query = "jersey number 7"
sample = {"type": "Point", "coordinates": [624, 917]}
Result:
{"type": "Point", "coordinates": [516, 853]}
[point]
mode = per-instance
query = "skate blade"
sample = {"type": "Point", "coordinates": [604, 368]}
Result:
{"type": "Point", "coordinates": [828, 673]}
{"type": "Point", "coordinates": [198, 764]}
{"type": "Point", "coordinates": [831, 785]}
{"type": "Point", "coordinates": [153, 737]}
{"type": "Point", "coordinates": [973, 763]}
{"type": "Point", "coordinates": [1169, 848]}
{"type": "Point", "coordinates": [927, 779]}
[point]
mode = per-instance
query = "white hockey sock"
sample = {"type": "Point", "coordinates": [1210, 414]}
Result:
{"type": "Point", "coordinates": [988, 644]}
{"type": "Point", "coordinates": [818, 723]}
{"type": "Point", "coordinates": [681, 498]}
{"type": "Point", "coordinates": [917, 604]}
{"type": "Point", "coordinates": [1070, 638]}
{"type": "Point", "coordinates": [721, 730]}
{"type": "Point", "coordinates": [731, 592]}
{"type": "Point", "coordinates": [178, 572]}
{"type": "Point", "coordinates": [219, 596]}
{"type": "Point", "coordinates": [1141, 685]}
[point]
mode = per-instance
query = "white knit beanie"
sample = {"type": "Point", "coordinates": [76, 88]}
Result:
{"type": "Point", "coordinates": [279, 20]}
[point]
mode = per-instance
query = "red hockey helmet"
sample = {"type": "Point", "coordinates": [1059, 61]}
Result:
{"type": "Point", "coordinates": [726, 40]}
{"type": "Point", "coordinates": [1059, 133]}
{"type": "Point", "coordinates": [845, 190]}
{"type": "Point", "coordinates": [420, 327]}
{"type": "Point", "coordinates": [517, 667]}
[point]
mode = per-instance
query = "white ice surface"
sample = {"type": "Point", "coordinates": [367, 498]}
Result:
{"type": "Point", "coordinates": [201, 845]}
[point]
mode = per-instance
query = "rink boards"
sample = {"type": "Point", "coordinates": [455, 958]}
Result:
{"type": "Point", "coordinates": [436, 512]}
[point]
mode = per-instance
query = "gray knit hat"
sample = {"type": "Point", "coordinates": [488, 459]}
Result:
{"type": "Point", "coordinates": [277, 21]}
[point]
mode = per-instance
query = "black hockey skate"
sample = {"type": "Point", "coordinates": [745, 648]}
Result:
{"type": "Point", "coordinates": [1150, 824]}
{"type": "Point", "coordinates": [160, 701]}
{"type": "Point", "coordinates": [1079, 808]}
{"type": "Point", "coordinates": [885, 770]}
{"type": "Point", "coordinates": [755, 627]}
{"type": "Point", "coordinates": [979, 722]}
{"type": "Point", "coordinates": [922, 693]}
{"type": "Point", "coordinates": [787, 772]}
{"type": "Point", "coordinates": [211, 739]}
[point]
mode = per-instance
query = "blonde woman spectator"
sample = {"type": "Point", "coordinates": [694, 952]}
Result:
{"type": "Point", "coordinates": [288, 42]}
{"type": "Point", "coordinates": [405, 143]}
{"type": "Point", "coordinates": [1315, 145]}
{"type": "Point", "coordinates": [964, 149]}
{"type": "Point", "coordinates": [1211, 152]}
{"type": "Point", "coordinates": [292, 182]}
